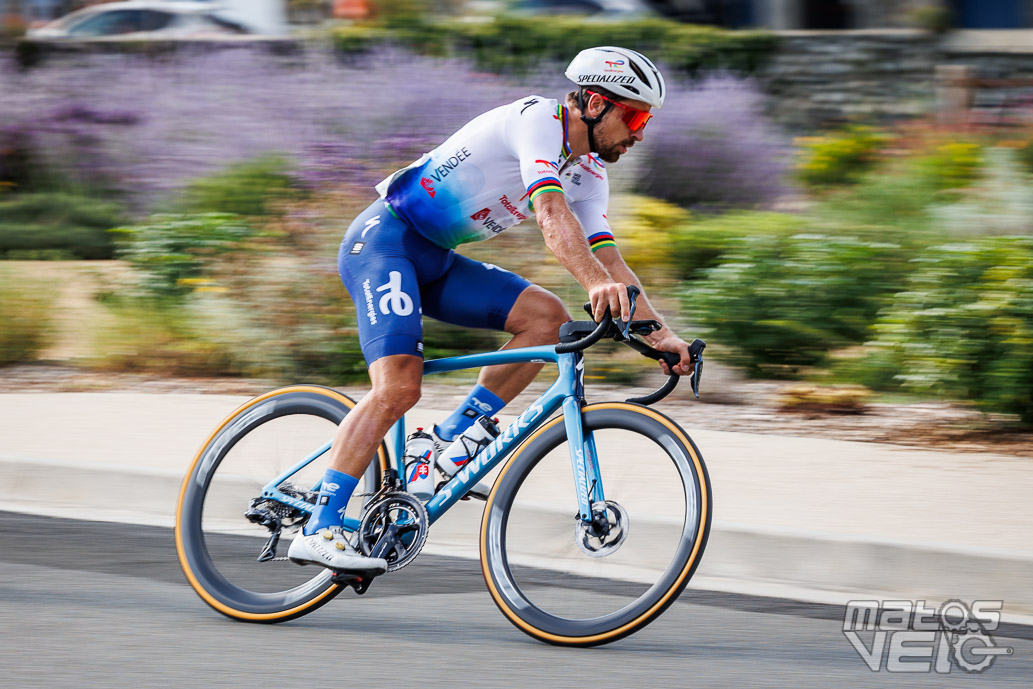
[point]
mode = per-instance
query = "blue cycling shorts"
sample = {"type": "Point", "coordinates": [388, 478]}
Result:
{"type": "Point", "coordinates": [395, 276]}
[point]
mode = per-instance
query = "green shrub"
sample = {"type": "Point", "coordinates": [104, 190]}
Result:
{"type": "Point", "coordinates": [26, 313]}
{"type": "Point", "coordinates": [57, 225]}
{"type": "Point", "coordinates": [838, 158]}
{"type": "Point", "coordinates": [952, 165]}
{"type": "Point", "coordinates": [247, 189]}
{"type": "Point", "coordinates": [175, 253]}
{"type": "Point", "coordinates": [519, 43]}
{"type": "Point", "coordinates": [701, 244]}
{"type": "Point", "coordinates": [1025, 155]}
{"type": "Point", "coordinates": [780, 303]}
{"type": "Point", "coordinates": [963, 328]}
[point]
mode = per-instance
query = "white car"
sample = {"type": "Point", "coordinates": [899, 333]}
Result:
{"type": "Point", "coordinates": [142, 19]}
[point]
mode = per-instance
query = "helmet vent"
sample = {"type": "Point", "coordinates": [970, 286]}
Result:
{"type": "Point", "coordinates": [639, 73]}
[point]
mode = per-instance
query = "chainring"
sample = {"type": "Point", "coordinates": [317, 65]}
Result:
{"type": "Point", "coordinates": [591, 541]}
{"type": "Point", "coordinates": [396, 528]}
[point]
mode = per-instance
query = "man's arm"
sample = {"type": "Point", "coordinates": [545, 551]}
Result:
{"type": "Point", "coordinates": [664, 339]}
{"type": "Point", "coordinates": [566, 240]}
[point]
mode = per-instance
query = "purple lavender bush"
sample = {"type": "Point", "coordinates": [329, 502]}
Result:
{"type": "Point", "coordinates": [712, 147]}
{"type": "Point", "coordinates": [146, 126]}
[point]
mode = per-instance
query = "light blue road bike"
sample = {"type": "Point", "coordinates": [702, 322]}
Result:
{"type": "Point", "coordinates": [594, 525]}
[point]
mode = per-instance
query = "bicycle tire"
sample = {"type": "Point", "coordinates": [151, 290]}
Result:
{"type": "Point", "coordinates": [520, 601]}
{"type": "Point", "coordinates": [213, 582]}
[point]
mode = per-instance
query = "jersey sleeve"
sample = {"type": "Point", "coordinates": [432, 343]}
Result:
{"type": "Point", "coordinates": [591, 213]}
{"type": "Point", "coordinates": [537, 137]}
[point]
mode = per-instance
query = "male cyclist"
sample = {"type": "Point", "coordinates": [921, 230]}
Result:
{"type": "Point", "coordinates": [535, 156]}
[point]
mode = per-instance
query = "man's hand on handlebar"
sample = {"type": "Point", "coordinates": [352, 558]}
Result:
{"type": "Point", "coordinates": [667, 341]}
{"type": "Point", "coordinates": [612, 296]}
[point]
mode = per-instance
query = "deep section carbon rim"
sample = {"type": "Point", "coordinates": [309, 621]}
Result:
{"type": "Point", "coordinates": [218, 547]}
{"type": "Point", "coordinates": [556, 591]}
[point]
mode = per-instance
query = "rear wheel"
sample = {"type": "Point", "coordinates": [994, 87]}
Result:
{"type": "Point", "coordinates": [218, 546]}
{"type": "Point", "coordinates": [568, 583]}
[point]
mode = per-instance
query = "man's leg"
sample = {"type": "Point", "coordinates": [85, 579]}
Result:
{"type": "Point", "coordinates": [534, 319]}
{"type": "Point", "coordinates": [396, 389]}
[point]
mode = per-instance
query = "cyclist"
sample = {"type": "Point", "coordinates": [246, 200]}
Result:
{"type": "Point", "coordinates": [535, 156]}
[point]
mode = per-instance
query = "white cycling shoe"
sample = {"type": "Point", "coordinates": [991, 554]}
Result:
{"type": "Point", "coordinates": [329, 547]}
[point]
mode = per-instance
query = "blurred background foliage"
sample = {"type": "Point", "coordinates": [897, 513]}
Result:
{"type": "Point", "coordinates": [896, 257]}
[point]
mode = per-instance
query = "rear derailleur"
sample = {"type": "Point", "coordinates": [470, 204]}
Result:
{"type": "Point", "coordinates": [275, 515]}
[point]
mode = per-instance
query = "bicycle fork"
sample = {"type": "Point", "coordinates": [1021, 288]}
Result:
{"type": "Point", "coordinates": [583, 455]}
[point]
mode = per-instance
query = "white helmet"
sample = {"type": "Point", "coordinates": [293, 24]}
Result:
{"type": "Point", "coordinates": [621, 71]}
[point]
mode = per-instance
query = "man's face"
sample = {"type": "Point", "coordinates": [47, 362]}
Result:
{"type": "Point", "coordinates": [613, 138]}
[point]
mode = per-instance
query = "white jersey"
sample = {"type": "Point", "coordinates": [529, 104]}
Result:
{"type": "Point", "coordinates": [486, 177]}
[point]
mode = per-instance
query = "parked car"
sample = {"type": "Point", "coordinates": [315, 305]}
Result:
{"type": "Point", "coordinates": [141, 19]}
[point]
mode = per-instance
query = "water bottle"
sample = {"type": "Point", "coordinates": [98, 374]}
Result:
{"type": "Point", "coordinates": [419, 465]}
{"type": "Point", "coordinates": [467, 445]}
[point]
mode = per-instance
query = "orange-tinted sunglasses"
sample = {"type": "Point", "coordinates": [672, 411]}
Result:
{"type": "Point", "coordinates": [633, 117]}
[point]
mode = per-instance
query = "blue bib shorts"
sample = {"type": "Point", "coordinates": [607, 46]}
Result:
{"type": "Point", "coordinates": [395, 275]}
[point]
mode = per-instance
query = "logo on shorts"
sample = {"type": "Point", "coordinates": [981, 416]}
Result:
{"type": "Point", "coordinates": [419, 348]}
{"type": "Point", "coordinates": [396, 301]}
{"type": "Point", "coordinates": [428, 186]}
{"type": "Point", "coordinates": [481, 214]}
{"type": "Point", "coordinates": [370, 224]}
{"type": "Point", "coordinates": [357, 247]}
{"type": "Point", "coordinates": [371, 313]}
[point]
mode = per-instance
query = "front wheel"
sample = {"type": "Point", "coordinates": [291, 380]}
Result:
{"type": "Point", "coordinates": [219, 547]}
{"type": "Point", "coordinates": [551, 575]}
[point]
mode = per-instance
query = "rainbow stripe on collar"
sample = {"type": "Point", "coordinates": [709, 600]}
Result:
{"type": "Point", "coordinates": [564, 118]}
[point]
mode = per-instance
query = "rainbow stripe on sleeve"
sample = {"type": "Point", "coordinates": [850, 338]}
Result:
{"type": "Point", "coordinates": [543, 186]}
{"type": "Point", "coordinates": [600, 239]}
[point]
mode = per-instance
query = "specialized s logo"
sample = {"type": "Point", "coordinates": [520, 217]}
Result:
{"type": "Point", "coordinates": [527, 104]}
{"type": "Point", "coordinates": [428, 186]}
{"type": "Point", "coordinates": [481, 214]}
{"type": "Point", "coordinates": [395, 301]}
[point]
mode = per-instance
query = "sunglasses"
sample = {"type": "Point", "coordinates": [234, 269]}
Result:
{"type": "Point", "coordinates": [633, 117]}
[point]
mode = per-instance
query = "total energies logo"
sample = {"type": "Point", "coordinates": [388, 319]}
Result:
{"type": "Point", "coordinates": [614, 65]}
{"type": "Point", "coordinates": [395, 300]}
{"type": "Point", "coordinates": [511, 207]}
{"type": "Point", "coordinates": [547, 167]}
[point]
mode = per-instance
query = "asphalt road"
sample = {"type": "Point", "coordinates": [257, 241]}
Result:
{"type": "Point", "coordinates": [105, 605]}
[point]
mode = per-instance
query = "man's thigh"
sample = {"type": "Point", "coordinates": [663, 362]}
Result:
{"type": "Point", "coordinates": [382, 281]}
{"type": "Point", "coordinates": [473, 294]}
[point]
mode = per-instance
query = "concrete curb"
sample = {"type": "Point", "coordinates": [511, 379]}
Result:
{"type": "Point", "coordinates": [740, 558]}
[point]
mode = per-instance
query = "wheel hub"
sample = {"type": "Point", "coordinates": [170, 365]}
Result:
{"type": "Point", "coordinates": [605, 533]}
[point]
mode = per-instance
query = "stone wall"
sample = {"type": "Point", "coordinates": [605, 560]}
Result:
{"type": "Point", "coordinates": [821, 78]}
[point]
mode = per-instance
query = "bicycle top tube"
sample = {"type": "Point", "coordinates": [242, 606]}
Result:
{"type": "Point", "coordinates": [540, 354]}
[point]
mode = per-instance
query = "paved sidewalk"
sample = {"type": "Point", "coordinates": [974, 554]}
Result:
{"type": "Point", "coordinates": [801, 517]}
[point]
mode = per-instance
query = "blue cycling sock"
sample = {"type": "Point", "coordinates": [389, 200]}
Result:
{"type": "Point", "coordinates": [480, 402]}
{"type": "Point", "coordinates": [336, 490]}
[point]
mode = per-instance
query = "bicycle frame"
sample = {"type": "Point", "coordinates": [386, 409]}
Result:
{"type": "Point", "coordinates": [567, 392]}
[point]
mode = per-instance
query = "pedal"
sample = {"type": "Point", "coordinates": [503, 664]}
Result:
{"type": "Point", "coordinates": [356, 582]}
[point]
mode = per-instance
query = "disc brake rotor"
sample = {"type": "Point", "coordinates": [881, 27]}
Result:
{"type": "Point", "coordinates": [394, 528]}
{"type": "Point", "coordinates": [603, 536]}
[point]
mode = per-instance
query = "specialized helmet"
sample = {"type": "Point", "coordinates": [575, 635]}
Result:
{"type": "Point", "coordinates": [621, 71]}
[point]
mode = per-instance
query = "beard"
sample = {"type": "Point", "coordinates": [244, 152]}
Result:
{"type": "Point", "coordinates": [611, 153]}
